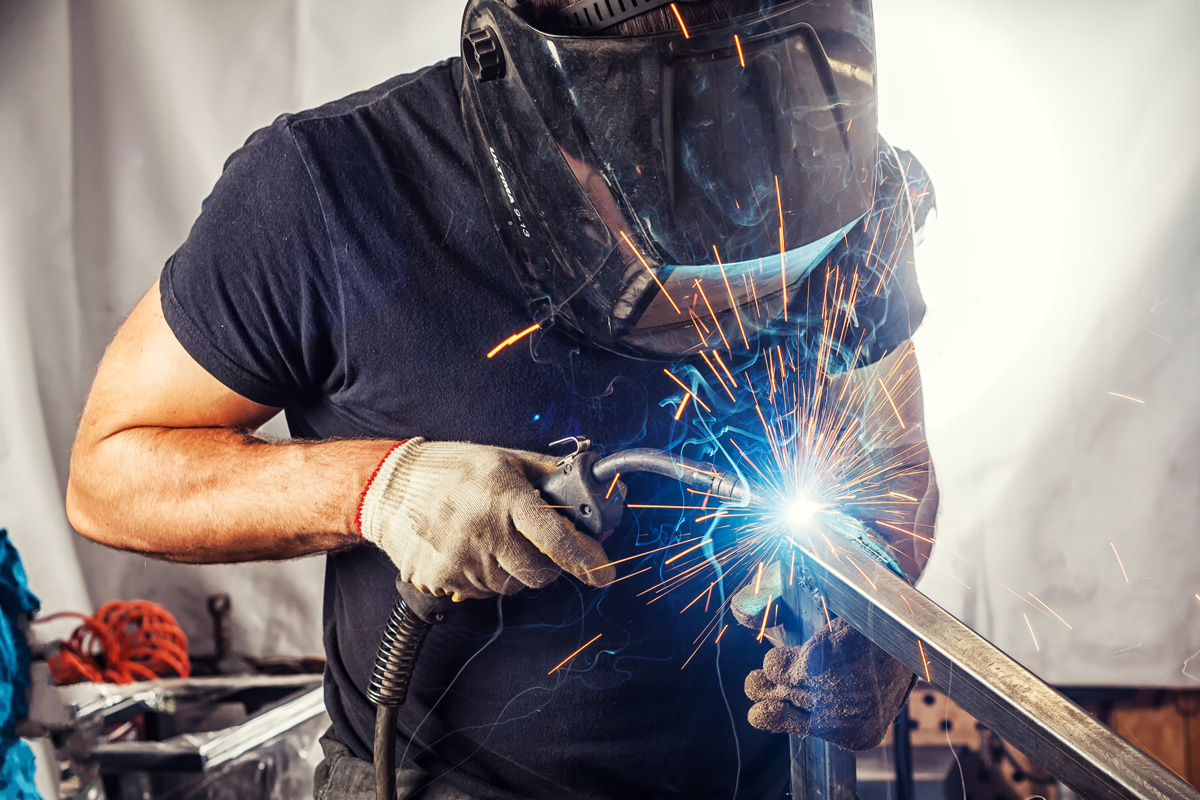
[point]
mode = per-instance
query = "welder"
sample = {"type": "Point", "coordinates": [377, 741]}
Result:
{"type": "Point", "coordinates": [627, 183]}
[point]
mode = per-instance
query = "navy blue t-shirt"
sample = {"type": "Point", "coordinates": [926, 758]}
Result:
{"type": "Point", "coordinates": [346, 269]}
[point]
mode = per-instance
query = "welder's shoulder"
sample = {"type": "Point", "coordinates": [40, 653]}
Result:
{"type": "Point", "coordinates": [419, 108]}
{"type": "Point", "coordinates": [903, 164]}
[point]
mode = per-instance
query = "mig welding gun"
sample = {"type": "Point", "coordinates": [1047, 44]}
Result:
{"type": "Point", "coordinates": [584, 488]}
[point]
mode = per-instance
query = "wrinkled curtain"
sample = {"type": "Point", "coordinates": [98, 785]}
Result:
{"type": "Point", "coordinates": [1060, 352]}
{"type": "Point", "coordinates": [115, 119]}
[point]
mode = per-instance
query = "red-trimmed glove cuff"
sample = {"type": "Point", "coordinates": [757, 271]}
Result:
{"type": "Point", "coordinates": [374, 473]}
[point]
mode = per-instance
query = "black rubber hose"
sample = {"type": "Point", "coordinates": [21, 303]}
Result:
{"type": "Point", "coordinates": [398, 650]}
{"type": "Point", "coordinates": [397, 657]}
{"type": "Point", "coordinates": [385, 752]}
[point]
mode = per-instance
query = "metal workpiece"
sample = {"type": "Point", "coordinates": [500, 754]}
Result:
{"type": "Point", "coordinates": [1000, 693]}
{"type": "Point", "coordinates": [204, 752]}
{"type": "Point", "coordinates": [87, 702]}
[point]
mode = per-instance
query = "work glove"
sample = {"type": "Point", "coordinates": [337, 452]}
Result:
{"type": "Point", "coordinates": [465, 520]}
{"type": "Point", "coordinates": [837, 686]}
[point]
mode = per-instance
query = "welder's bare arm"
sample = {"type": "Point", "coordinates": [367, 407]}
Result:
{"type": "Point", "coordinates": [164, 463]}
{"type": "Point", "coordinates": [886, 398]}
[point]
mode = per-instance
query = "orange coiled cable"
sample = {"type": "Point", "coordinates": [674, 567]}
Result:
{"type": "Point", "coordinates": [124, 642]}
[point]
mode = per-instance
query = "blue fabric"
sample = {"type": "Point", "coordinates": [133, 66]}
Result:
{"type": "Point", "coordinates": [17, 603]}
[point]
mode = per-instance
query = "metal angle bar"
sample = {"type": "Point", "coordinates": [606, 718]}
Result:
{"type": "Point", "coordinates": [84, 700]}
{"type": "Point", "coordinates": [207, 751]}
{"type": "Point", "coordinates": [1000, 693]}
{"type": "Point", "coordinates": [259, 730]}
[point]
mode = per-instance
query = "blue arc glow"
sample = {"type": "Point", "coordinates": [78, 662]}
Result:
{"type": "Point", "coordinates": [801, 513]}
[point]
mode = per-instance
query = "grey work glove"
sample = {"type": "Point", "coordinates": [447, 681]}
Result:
{"type": "Point", "coordinates": [465, 520]}
{"type": "Point", "coordinates": [837, 686]}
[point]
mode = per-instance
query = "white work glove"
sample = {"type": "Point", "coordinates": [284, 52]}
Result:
{"type": "Point", "coordinates": [465, 520]}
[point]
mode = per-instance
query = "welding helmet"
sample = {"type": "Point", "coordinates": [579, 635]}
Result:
{"type": "Point", "coordinates": [661, 192]}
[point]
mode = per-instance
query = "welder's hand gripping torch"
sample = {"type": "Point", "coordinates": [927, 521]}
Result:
{"type": "Point", "coordinates": [585, 488]}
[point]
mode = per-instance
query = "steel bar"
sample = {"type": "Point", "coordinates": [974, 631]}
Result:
{"type": "Point", "coordinates": [1000, 693]}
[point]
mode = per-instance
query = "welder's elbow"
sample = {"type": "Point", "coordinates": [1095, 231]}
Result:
{"type": "Point", "coordinates": [79, 509]}
{"type": "Point", "coordinates": [87, 505]}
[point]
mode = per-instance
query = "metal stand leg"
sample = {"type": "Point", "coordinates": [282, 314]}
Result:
{"type": "Point", "coordinates": [906, 788]}
{"type": "Point", "coordinates": [820, 771]}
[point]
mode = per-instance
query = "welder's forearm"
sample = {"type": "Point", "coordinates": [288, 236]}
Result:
{"type": "Point", "coordinates": [212, 495]}
{"type": "Point", "coordinates": [905, 517]}
{"type": "Point", "coordinates": [886, 399]}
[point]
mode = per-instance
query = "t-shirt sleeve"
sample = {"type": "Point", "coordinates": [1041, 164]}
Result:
{"type": "Point", "coordinates": [864, 301]}
{"type": "Point", "coordinates": [250, 293]}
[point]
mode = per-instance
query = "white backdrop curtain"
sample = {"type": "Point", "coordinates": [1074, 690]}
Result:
{"type": "Point", "coordinates": [1062, 273]}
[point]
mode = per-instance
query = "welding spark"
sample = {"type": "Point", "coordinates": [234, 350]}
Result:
{"type": "Point", "coordinates": [577, 652]}
{"type": "Point", "coordinates": [682, 27]}
{"type": "Point", "coordinates": [1127, 397]}
{"type": "Point", "coordinates": [612, 486]}
{"type": "Point", "coordinates": [741, 55]}
{"type": "Point", "coordinates": [1031, 633]}
{"type": "Point", "coordinates": [687, 390]}
{"type": "Point", "coordinates": [763, 630]}
{"type": "Point", "coordinates": [1120, 563]}
{"type": "Point", "coordinates": [720, 380]}
{"type": "Point", "coordinates": [1052, 611]}
{"type": "Point", "coordinates": [653, 274]}
{"type": "Point", "coordinates": [728, 374]}
{"type": "Point", "coordinates": [682, 405]}
{"type": "Point", "coordinates": [821, 447]}
{"type": "Point", "coordinates": [782, 248]}
{"type": "Point", "coordinates": [704, 295]}
{"type": "Point", "coordinates": [924, 661]}
{"type": "Point", "coordinates": [888, 395]}
{"type": "Point", "coordinates": [516, 337]}
{"type": "Point", "coordinates": [732, 301]}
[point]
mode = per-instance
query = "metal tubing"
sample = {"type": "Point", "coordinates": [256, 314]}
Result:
{"type": "Point", "coordinates": [1000, 693]}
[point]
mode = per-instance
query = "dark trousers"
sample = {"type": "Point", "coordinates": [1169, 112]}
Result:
{"type": "Point", "coordinates": [342, 776]}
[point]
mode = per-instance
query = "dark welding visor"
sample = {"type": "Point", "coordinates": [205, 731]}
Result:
{"type": "Point", "coordinates": [625, 173]}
